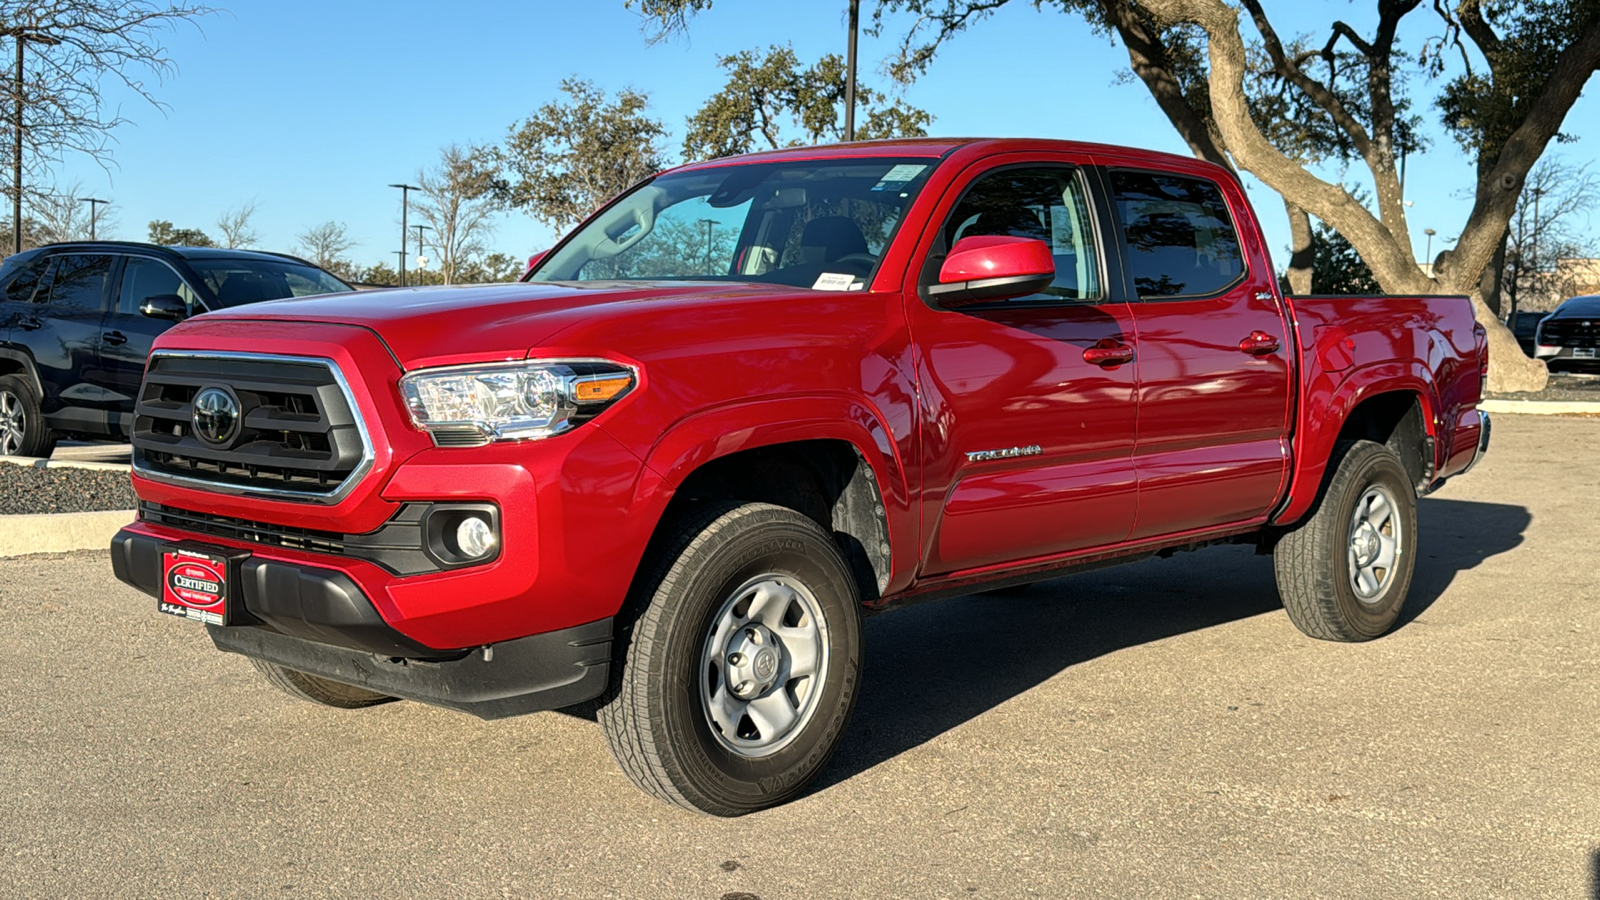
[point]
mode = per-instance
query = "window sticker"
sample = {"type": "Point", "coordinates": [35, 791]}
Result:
{"type": "Point", "coordinates": [898, 177]}
{"type": "Point", "coordinates": [834, 281]}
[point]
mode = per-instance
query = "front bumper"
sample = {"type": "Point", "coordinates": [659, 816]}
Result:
{"type": "Point", "coordinates": [320, 622]}
{"type": "Point", "coordinates": [544, 671]}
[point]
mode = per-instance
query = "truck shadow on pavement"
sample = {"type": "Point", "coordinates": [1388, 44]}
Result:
{"type": "Point", "coordinates": [933, 667]}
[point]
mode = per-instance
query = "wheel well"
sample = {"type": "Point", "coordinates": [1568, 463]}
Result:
{"type": "Point", "coordinates": [1395, 419]}
{"type": "Point", "coordinates": [827, 481]}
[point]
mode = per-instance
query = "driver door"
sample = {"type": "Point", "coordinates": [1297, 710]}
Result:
{"type": "Point", "coordinates": [1027, 446]}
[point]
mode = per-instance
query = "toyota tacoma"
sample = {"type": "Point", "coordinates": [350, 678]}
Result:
{"type": "Point", "coordinates": [753, 399]}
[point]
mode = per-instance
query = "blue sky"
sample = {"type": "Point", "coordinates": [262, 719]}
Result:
{"type": "Point", "coordinates": [311, 108]}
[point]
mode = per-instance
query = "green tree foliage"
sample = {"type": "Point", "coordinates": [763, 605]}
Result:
{"type": "Point", "coordinates": [1521, 42]}
{"type": "Point", "coordinates": [574, 154]}
{"type": "Point", "coordinates": [1337, 268]}
{"type": "Point", "coordinates": [773, 101]}
{"type": "Point", "coordinates": [162, 232]}
{"type": "Point", "coordinates": [484, 269]}
{"type": "Point", "coordinates": [1525, 65]}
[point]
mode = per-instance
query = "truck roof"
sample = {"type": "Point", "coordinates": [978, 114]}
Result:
{"type": "Point", "coordinates": [938, 147]}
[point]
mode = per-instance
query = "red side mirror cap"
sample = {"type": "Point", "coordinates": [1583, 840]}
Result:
{"type": "Point", "coordinates": [986, 267]}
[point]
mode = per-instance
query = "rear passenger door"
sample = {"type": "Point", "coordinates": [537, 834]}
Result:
{"type": "Point", "coordinates": [1214, 373]}
{"type": "Point", "coordinates": [128, 333]}
{"type": "Point", "coordinates": [63, 328]}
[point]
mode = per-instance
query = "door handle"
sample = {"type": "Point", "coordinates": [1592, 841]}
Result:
{"type": "Point", "coordinates": [1108, 352]}
{"type": "Point", "coordinates": [29, 323]}
{"type": "Point", "coordinates": [1259, 343]}
{"type": "Point", "coordinates": [114, 337]}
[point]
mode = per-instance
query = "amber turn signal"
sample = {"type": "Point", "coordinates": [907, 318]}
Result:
{"type": "Point", "coordinates": [600, 388]}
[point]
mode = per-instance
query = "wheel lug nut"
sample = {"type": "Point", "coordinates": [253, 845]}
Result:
{"type": "Point", "coordinates": [735, 659]}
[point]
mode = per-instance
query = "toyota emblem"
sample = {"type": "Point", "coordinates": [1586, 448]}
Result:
{"type": "Point", "coordinates": [216, 416]}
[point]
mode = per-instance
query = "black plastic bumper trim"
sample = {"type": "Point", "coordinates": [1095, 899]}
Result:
{"type": "Point", "coordinates": [539, 672]}
{"type": "Point", "coordinates": [315, 604]}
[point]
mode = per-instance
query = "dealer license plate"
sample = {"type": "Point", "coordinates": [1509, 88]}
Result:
{"type": "Point", "coordinates": [1583, 352]}
{"type": "Point", "coordinates": [194, 584]}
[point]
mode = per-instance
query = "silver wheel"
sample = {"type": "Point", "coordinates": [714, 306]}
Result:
{"type": "Point", "coordinates": [13, 423]}
{"type": "Point", "coordinates": [1375, 544]}
{"type": "Point", "coordinates": [763, 665]}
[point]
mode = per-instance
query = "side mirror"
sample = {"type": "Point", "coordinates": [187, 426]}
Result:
{"type": "Point", "coordinates": [165, 306]}
{"type": "Point", "coordinates": [985, 268]}
{"type": "Point", "coordinates": [534, 260]}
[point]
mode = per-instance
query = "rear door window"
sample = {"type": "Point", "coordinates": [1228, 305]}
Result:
{"type": "Point", "coordinates": [1179, 234]}
{"type": "Point", "coordinates": [78, 281]}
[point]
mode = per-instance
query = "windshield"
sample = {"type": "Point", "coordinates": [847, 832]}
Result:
{"type": "Point", "coordinates": [238, 281]}
{"type": "Point", "coordinates": [820, 224]}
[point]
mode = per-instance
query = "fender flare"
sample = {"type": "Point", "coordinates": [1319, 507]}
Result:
{"type": "Point", "coordinates": [711, 434]}
{"type": "Point", "coordinates": [1331, 409]}
{"type": "Point", "coordinates": [29, 371]}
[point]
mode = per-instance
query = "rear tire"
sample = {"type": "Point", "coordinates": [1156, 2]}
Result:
{"type": "Point", "coordinates": [740, 672]}
{"type": "Point", "coordinates": [22, 428]}
{"type": "Point", "coordinates": [1345, 571]}
{"type": "Point", "coordinates": [316, 689]}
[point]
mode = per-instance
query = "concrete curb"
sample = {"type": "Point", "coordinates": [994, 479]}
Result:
{"type": "Point", "coordinates": [60, 532]}
{"type": "Point", "coordinates": [1540, 407]}
{"type": "Point", "coordinates": [63, 464]}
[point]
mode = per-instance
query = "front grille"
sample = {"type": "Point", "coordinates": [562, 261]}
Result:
{"type": "Point", "coordinates": [300, 436]}
{"type": "Point", "coordinates": [396, 545]}
{"type": "Point", "coordinates": [1570, 333]}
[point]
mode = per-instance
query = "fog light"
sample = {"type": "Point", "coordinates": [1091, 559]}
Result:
{"type": "Point", "coordinates": [475, 537]}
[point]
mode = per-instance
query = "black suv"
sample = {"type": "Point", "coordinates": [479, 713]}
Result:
{"type": "Point", "coordinates": [77, 320]}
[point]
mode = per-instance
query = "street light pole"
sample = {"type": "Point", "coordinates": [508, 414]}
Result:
{"type": "Point", "coordinates": [94, 211]}
{"type": "Point", "coordinates": [1428, 255]}
{"type": "Point", "coordinates": [850, 73]}
{"type": "Point", "coordinates": [405, 196]}
{"type": "Point", "coordinates": [419, 229]}
{"type": "Point", "coordinates": [22, 36]}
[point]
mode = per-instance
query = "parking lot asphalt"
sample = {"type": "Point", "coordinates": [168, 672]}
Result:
{"type": "Point", "coordinates": [1158, 730]}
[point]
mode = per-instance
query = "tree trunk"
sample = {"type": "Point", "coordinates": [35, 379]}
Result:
{"type": "Point", "coordinates": [1510, 372]}
{"type": "Point", "coordinates": [1302, 255]}
{"type": "Point", "coordinates": [1391, 258]}
{"type": "Point", "coordinates": [1491, 287]}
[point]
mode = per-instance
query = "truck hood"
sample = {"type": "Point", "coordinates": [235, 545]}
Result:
{"type": "Point", "coordinates": [431, 326]}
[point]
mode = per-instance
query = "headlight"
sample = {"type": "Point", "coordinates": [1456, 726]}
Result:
{"type": "Point", "coordinates": [472, 405]}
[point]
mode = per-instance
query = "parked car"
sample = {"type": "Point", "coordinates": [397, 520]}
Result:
{"type": "Point", "coordinates": [667, 474]}
{"type": "Point", "coordinates": [77, 321]}
{"type": "Point", "coordinates": [1570, 336]}
{"type": "Point", "coordinates": [1523, 325]}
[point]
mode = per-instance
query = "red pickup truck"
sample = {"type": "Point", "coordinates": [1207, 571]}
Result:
{"type": "Point", "coordinates": [753, 399]}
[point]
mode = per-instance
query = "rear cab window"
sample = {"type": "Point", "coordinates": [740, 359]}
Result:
{"type": "Point", "coordinates": [1179, 235]}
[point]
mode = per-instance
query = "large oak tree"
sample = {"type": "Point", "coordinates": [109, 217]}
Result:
{"type": "Point", "coordinates": [1523, 66]}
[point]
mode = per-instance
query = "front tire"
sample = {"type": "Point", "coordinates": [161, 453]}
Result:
{"type": "Point", "coordinates": [316, 689]}
{"type": "Point", "coordinates": [742, 667]}
{"type": "Point", "coordinates": [1345, 571]}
